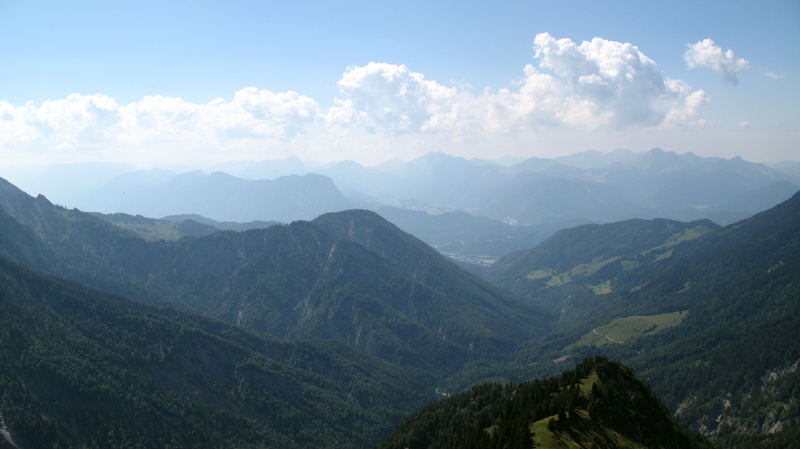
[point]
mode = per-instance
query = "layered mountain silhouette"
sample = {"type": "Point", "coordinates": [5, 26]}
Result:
{"type": "Point", "coordinates": [589, 186]}
{"type": "Point", "coordinates": [491, 208]}
{"type": "Point", "coordinates": [706, 314]}
{"type": "Point", "coordinates": [217, 195]}
{"type": "Point", "coordinates": [86, 369]}
{"type": "Point", "coordinates": [388, 295]}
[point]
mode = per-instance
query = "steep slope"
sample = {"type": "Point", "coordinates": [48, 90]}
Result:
{"type": "Point", "coordinates": [296, 281]}
{"type": "Point", "coordinates": [711, 322]}
{"type": "Point", "coordinates": [476, 304]}
{"type": "Point", "coordinates": [19, 243]}
{"type": "Point", "coordinates": [742, 286]}
{"type": "Point", "coordinates": [84, 369]}
{"type": "Point", "coordinates": [582, 264]}
{"type": "Point", "coordinates": [598, 404]}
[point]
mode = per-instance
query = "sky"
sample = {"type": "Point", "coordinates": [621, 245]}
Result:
{"type": "Point", "coordinates": [155, 83]}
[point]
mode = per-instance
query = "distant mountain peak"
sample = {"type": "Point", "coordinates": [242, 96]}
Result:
{"type": "Point", "coordinates": [438, 156]}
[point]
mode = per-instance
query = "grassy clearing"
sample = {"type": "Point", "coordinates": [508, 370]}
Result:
{"type": "Point", "coordinates": [596, 265]}
{"type": "Point", "coordinates": [628, 265]}
{"type": "Point", "coordinates": [662, 256]}
{"type": "Point", "coordinates": [584, 269]}
{"type": "Point", "coordinates": [601, 289]}
{"type": "Point", "coordinates": [623, 330]}
{"type": "Point", "coordinates": [686, 235]}
{"type": "Point", "coordinates": [680, 237]}
{"type": "Point", "coordinates": [543, 438]}
{"type": "Point", "coordinates": [561, 279]}
{"type": "Point", "coordinates": [584, 433]}
{"type": "Point", "coordinates": [587, 383]}
{"type": "Point", "coordinates": [540, 274]}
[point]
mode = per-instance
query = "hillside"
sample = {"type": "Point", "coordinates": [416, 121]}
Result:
{"type": "Point", "coordinates": [582, 265]}
{"type": "Point", "coordinates": [598, 404]}
{"type": "Point", "coordinates": [296, 280]}
{"type": "Point", "coordinates": [85, 369]}
{"type": "Point", "coordinates": [711, 322]}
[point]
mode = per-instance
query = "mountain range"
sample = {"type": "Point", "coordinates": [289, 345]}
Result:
{"type": "Point", "coordinates": [351, 277]}
{"type": "Point", "coordinates": [474, 210]}
{"type": "Point", "coordinates": [327, 331]}
{"type": "Point", "coordinates": [589, 186]}
{"type": "Point", "coordinates": [215, 195]}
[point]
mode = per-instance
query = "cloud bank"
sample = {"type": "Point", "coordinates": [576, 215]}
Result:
{"type": "Point", "coordinates": [588, 86]}
{"type": "Point", "coordinates": [706, 53]}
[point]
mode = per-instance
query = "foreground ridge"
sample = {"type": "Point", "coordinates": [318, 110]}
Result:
{"type": "Point", "coordinates": [598, 404]}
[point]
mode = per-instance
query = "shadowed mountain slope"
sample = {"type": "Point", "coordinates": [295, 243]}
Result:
{"type": "Point", "coordinates": [295, 280]}
{"type": "Point", "coordinates": [85, 369]}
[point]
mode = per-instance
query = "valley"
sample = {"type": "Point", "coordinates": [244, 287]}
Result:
{"type": "Point", "coordinates": [348, 312]}
{"type": "Point", "coordinates": [417, 225]}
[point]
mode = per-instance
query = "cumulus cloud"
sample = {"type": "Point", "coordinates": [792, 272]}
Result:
{"type": "Point", "coordinates": [616, 83]}
{"type": "Point", "coordinates": [390, 97]}
{"type": "Point", "coordinates": [87, 121]}
{"type": "Point", "coordinates": [706, 53]}
{"type": "Point", "coordinates": [594, 84]}
{"type": "Point", "coordinates": [67, 122]}
{"type": "Point", "coordinates": [597, 85]}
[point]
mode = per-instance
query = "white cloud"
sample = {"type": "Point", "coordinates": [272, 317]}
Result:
{"type": "Point", "coordinates": [81, 122]}
{"type": "Point", "coordinates": [594, 84]}
{"type": "Point", "coordinates": [591, 86]}
{"type": "Point", "coordinates": [616, 84]}
{"type": "Point", "coordinates": [65, 123]}
{"type": "Point", "coordinates": [390, 97]}
{"type": "Point", "coordinates": [706, 53]}
{"type": "Point", "coordinates": [773, 75]}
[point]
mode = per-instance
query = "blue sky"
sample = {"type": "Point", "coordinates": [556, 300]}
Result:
{"type": "Point", "coordinates": [201, 51]}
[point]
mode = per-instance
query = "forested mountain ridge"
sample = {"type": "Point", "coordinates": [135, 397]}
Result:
{"type": "Point", "coordinates": [425, 264]}
{"type": "Point", "coordinates": [174, 227]}
{"type": "Point", "coordinates": [294, 280]}
{"type": "Point", "coordinates": [707, 315]}
{"type": "Point", "coordinates": [85, 369]}
{"type": "Point", "coordinates": [707, 321]}
{"type": "Point", "coordinates": [585, 261]}
{"type": "Point", "coordinates": [598, 404]}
